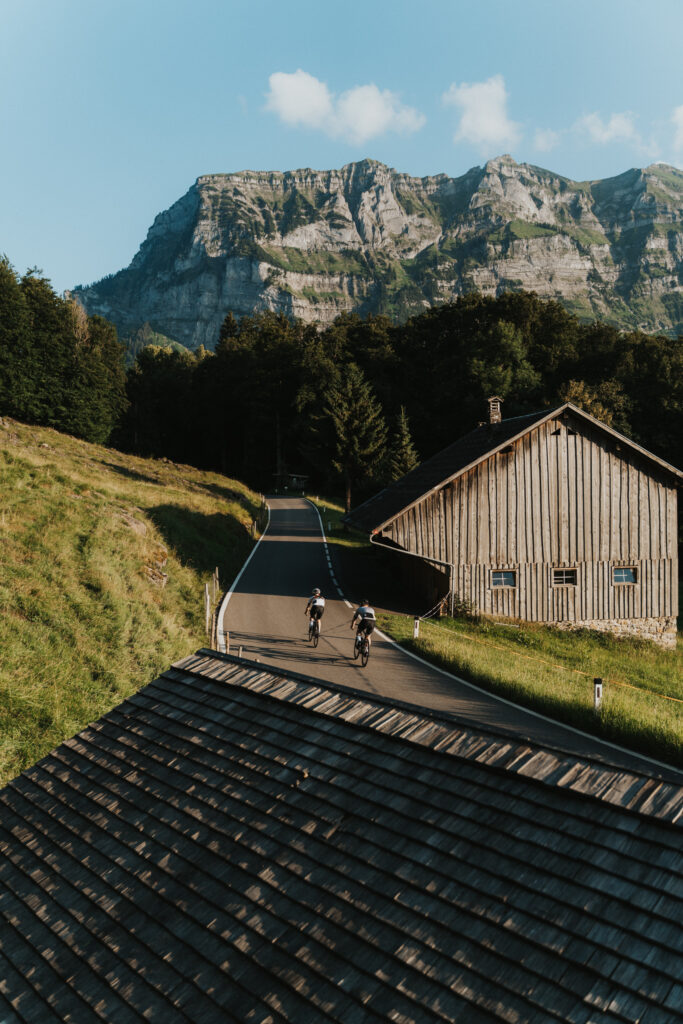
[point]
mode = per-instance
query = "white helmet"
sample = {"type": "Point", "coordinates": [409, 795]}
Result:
{"type": "Point", "coordinates": [316, 590]}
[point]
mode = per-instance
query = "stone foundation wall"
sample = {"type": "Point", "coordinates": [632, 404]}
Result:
{"type": "Point", "coordinates": [661, 631]}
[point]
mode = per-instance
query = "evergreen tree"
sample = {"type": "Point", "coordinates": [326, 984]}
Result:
{"type": "Point", "coordinates": [48, 371]}
{"type": "Point", "coordinates": [402, 456]}
{"type": "Point", "coordinates": [358, 429]}
{"type": "Point", "coordinates": [14, 341]}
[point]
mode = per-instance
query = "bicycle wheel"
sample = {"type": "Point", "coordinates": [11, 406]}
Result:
{"type": "Point", "coordinates": [316, 635]}
{"type": "Point", "coordinates": [356, 648]}
{"type": "Point", "coordinates": [365, 652]}
{"type": "Point", "coordinates": [311, 632]}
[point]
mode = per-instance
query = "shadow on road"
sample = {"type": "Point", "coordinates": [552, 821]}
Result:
{"type": "Point", "coordinates": [277, 649]}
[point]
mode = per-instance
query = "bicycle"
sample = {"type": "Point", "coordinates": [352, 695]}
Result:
{"type": "Point", "coordinates": [314, 631]}
{"type": "Point", "coordinates": [361, 647]}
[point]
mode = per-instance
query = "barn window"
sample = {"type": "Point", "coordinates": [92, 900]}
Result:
{"type": "Point", "coordinates": [503, 578]}
{"type": "Point", "coordinates": [564, 577]}
{"type": "Point", "coordinates": [624, 574]}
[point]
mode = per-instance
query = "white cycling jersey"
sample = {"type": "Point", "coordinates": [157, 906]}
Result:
{"type": "Point", "coordinates": [317, 602]}
{"type": "Point", "coordinates": [365, 612]}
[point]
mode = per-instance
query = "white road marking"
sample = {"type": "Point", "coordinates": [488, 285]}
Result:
{"type": "Point", "coordinates": [226, 599]}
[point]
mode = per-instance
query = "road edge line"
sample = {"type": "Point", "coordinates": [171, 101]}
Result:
{"type": "Point", "coordinates": [225, 601]}
{"type": "Point", "coordinates": [503, 700]}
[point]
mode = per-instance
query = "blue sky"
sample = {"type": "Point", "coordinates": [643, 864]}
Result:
{"type": "Point", "coordinates": [110, 109]}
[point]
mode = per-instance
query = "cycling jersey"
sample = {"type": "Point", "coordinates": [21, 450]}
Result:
{"type": "Point", "coordinates": [365, 612]}
{"type": "Point", "coordinates": [316, 602]}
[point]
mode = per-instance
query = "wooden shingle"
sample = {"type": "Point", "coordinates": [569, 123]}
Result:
{"type": "Point", "coordinates": [235, 844]}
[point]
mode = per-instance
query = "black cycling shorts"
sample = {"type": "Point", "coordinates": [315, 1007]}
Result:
{"type": "Point", "coordinates": [316, 611]}
{"type": "Point", "coordinates": [366, 626]}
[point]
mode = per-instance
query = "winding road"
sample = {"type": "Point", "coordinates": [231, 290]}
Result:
{"type": "Point", "coordinates": [264, 615]}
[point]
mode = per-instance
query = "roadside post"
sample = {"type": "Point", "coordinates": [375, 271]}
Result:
{"type": "Point", "coordinates": [416, 628]}
{"type": "Point", "coordinates": [597, 694]}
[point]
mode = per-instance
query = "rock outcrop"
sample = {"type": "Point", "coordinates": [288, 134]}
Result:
{"type": "Point", "coordinates": [365, 238]}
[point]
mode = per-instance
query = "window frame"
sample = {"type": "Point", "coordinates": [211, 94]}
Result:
{"type": "Point", "coordinates": [564, 569]}
{"type": "Point", "coordinates": [625, 583]}
{"type": "Point", "coordinates": [503, 586]}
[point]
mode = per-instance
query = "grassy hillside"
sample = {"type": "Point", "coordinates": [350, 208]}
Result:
{"type": "Point", "coordinates": [103, 561]}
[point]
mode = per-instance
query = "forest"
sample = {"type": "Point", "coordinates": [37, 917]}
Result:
{"type": "Point", "coordinates": [353, 406]}
{"type": "Point", "coordinates": [356, 404]}
{"type": "Point", "coordinates": [58, 367]}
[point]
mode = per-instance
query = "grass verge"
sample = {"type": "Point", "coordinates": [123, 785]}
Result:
{"type": "Point", "coordinates": [551, 671]}
{"type": "Point", "coordinates": [331, 513]}
{"type": "Point", "coordinates": [103, 561]}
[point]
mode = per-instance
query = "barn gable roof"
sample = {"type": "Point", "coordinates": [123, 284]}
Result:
{"type": "Point", "coordinates": [233, 843]}
{"type": "Point", "coordinates": [463, 455]}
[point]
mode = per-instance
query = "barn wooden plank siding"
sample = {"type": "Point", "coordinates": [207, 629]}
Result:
{"type": "Point", "coordinates": [237, 844]}
{"type": "Point", "coordinates": [565, 493]}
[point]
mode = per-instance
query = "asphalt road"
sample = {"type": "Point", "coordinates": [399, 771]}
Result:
{"type": "Point", "coordinates": [265, 617]}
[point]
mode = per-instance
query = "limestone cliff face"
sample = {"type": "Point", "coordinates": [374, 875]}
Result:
{"type": "Point", "coordinates": [365, 238]}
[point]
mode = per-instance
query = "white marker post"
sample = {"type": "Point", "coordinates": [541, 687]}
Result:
{"type": "Point", "coordinates": [416, 628]}
{"type": "Point", "coordinates": [597, 694]}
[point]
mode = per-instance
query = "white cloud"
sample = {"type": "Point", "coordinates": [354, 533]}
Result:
{"type": "Point", "coordinates": [546, 139]}
{"type": "Point", "coordinates": [619, 128]}
{"type": "Point", "coordinates": [299, 99]}
{"type": "Point", "coordinates": [677, 118]}
{"type": "Point", "coordinates": [357, 115]}
{"type": "Point", "coordinates": [364, 112]}
{"type": "Point", "coordinates": [483, 114]}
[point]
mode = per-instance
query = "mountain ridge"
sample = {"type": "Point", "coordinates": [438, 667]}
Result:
{"type": "Point", "coordinates": [366, 238]}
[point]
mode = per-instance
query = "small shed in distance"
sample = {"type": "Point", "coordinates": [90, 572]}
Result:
{"type": "Point", "coordinates": [293, 482]}
{"type": "Point", "coordinates": [552, 517]}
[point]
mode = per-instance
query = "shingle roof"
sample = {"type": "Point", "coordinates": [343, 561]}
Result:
{"type": "Point", "coordinates": [235, 844]}
{"type": "Point", "coordinates": [464, 453]}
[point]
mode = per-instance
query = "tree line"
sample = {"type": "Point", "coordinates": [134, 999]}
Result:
{"type": "Point", "coordinates": [58, 367]}
{"type": "Point", "coordinates": [355, 404]}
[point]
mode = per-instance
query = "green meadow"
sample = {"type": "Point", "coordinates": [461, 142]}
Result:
{"type": "Point", "coordinates": [103, 562]}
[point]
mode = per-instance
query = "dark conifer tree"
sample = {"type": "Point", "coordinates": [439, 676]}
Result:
{"type": "Point", "coordinates": [402, 456]}
{"type": "Point", "coordinates": [14, 342]}
{"type": "Point", "coordinates": [358, 429]}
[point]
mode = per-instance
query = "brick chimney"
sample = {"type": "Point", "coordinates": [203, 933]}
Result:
{"type": "Point", "coordinates": [495, 415]}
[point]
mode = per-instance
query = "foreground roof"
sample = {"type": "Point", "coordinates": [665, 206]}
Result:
{"type": "Point", "coordinates": [464, 454]}
{"type": "Point", "coordinates": [235, 844]}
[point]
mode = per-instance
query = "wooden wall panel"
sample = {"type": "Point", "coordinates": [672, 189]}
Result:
{"type": "Point", "coordinates": [557, 499]}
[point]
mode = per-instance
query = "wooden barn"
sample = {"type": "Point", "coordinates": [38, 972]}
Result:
{"type": "Point", "coordinates": [551, 517]}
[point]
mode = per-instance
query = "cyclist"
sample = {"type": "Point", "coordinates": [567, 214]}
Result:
{"type": "Point", "coordinates": [315, 608]}
{"type": "Point", "coordinates": [364, 616]}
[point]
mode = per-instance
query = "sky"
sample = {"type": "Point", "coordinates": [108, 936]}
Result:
{"type": "Point", "coordinates": [110, 109]}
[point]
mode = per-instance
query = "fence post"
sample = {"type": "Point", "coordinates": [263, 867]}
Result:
{"type": "Point", "coordinates": [207, 607]}
{"type": "Point", "coordinates": [597, 694]}
{"type": "Point", "coordinates": [416, 628]}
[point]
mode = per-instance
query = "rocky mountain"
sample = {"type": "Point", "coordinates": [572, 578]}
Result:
{"type": "Point", "coordinates": [365, 238]}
